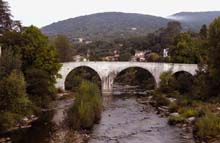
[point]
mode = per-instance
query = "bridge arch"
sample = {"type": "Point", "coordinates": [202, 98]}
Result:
{"type": "Point", "coordinates": [84, 72]}
{"type": "Point", "coordinates": [138, 68]}
{"type": "Point", "coordinates": [184, 81]}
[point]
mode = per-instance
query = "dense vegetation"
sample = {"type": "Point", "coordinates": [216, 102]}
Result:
{"type": "Point", "coordinates": [119, 25]}
{"type": "Point", "coordinates": [196, 96]}
{"type": "Point", "coordinates": [87, 108]}
{"type": "Point", "coordinates": [28, 69]}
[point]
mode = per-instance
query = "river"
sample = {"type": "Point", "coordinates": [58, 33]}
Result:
{"type": "Point", "coordinates": [124, 120]}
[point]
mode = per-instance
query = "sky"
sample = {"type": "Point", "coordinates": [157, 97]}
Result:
{"type": "Point", "coordinates": [43, 12]}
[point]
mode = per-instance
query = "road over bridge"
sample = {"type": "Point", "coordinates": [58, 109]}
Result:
{"type": "Point", "coordinates": [107, 71]}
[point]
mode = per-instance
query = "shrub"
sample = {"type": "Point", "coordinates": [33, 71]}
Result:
{"type": "Point", "coordinates": [173, 120]}
{"type": "Point", "coordinates": [8, 120]}
{"type": "Point", "coordinates": [173, 107]}
{"type": "Point", "coordinates": [86, 110]}
{"type": "Point", "coordinates": [160, 99]}
{"type": "Point", "coordinates": [208, 126]}
{"type": "Point", "coordinates": [188, 112]}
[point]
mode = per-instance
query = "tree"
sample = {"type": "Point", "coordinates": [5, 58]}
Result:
{"type": "Point", "coordinates": [5, 17]}
{"type": "Point", "coordinates": [39, 54]}
{"type": "Point", "coordinates": [183, 50]}
{"type": "Point", "coordinates": [214, 57]}
{"type": "Point", "coordinates": [203, 32]}
{"type": "Point", "coordinates": [8, 63]}
{"type": "Point", "coordinates": [63, 48]}
{"type": "Point", "coordinates": [14, 103]}
{"type": "Point", "coordinates": [13, 41]}
{"type": "Point", "coordinates": [38, 87]}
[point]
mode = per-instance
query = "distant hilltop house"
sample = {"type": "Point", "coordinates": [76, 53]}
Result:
{"type": "Point", "coordinates": [139, 56]}
{"type": "Point", "coordinates": [79, 58]}
{"type": "Point", "coordinates": [114, 57]}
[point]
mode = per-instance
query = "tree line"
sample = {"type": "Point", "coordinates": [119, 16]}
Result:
{"type": "Point", "coordinates": [29, 66]}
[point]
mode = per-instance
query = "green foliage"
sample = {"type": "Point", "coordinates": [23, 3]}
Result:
{"type": "Point", "coordinates": [87, 107]}
{"type": "Point", "coordinates": [161, 99]}
{"type": "Point", "coordinates": [188, 112]}
{"type": "Point", "coordinates": [214, 58]}
{"type": "Point", "coordinates": [9, 62]}
{"type": "Point", "coordinates": [38, 54]}
{"type": "Point", "coordinates": [207, 126]}
{"type": "Point", "coordinates": [38, 83]}
{"type": "Point", "coordinates": [167, 82]}
{"type": "Point", "coordinates": [14, 102]}
{"type": "Point", "coordinates": [5, 17]}
{"type": "Point", "coordinates": [63, 48]}
{"type": "Point", "coordinates": [153, 57]}
{"type": "Point", "coordinates": [173, 120]}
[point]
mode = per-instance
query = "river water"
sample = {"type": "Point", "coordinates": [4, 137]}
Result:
{"type": "Point", "coordinates": [124, 120]}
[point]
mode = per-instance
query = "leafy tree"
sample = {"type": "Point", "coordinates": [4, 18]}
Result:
{"type": "Point", "coordinates": [8, 63]}
{"type": "Point", "coordinates": [203, 32]}
{"type": "Point", "coordinates": [12, 40]}
{"type": "Point", "coordinates": [39, 54]}
{"type": "Point", "coordinates": [214, 58]}
{"type": "Point", "coordinates": [182, 51]}
{"type": "Point", "coordinates": [38, 87]}
{"type": "Point", "coordinates": [14, 103]}
{"type": "Point", "coordinates": [63, 48]}
{"type": "Point", "coordinates": [5, 17]}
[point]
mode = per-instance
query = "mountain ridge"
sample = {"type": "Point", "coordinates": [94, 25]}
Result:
{"type": "Point", "coordinates": [110, 25]}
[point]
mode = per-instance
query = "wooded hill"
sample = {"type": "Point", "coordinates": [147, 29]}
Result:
{"type": "Point", "coordinates": [111, 25]}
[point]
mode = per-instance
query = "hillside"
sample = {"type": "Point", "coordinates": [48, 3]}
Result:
{"type": "Point", "coordinates": [110, 25]}
{"type": "Point", "coordinates": [194, 20]}
{"type": "Point", "coordinates": [107, 25]}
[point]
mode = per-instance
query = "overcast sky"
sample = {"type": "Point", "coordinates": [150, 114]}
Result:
{"type": "Point", "coordinates": [44, 12]}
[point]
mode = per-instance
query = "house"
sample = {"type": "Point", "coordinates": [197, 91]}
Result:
{"type": "Point", "coordinates": [79, 58]}
{"type": "Point", "coordinates": [139, 56]}
{"type": "Point", "coordinates": [165, 52]}
{"type": "Point", "coordinates": [115, 57]}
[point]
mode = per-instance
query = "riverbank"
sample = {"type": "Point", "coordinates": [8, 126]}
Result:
{"type": "Point", "coordinates": [198, 117]}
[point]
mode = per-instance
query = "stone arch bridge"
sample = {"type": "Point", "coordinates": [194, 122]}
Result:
{"type": "Point", "coordinates": [107, 71]}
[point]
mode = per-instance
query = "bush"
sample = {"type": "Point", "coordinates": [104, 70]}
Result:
{"type": "Point", "coordinates": [173, 107]}
{"type": "Point", "coordinates": [86, 110]}
{"type": "Point", "coordinates": [208, 126]}
{"type": "Point", "coordinates": [173, 120]}
{"type": "Point", "coordinates": [188, 112]}
{"type": "Point", "coordinates": [160, 99]}
{"type": "Point", "coordinates": [8, 120]}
